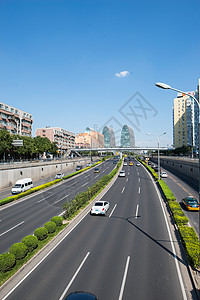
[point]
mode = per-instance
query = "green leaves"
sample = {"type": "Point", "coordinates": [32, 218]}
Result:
{"type": "Point", "coordinates": [31, 146]}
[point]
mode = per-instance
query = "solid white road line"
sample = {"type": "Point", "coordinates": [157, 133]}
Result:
{"type": "Point", "coordinates": [124, 278]}
{"type": "Point", "coordinates": [137, 208]}
{"type": "Point", "coordinates": [60, 199]}
{"type": "Point", "coordinates": [47, 254]}
{"type": "Point", "coordinates": [84, 184]}
{"type": "Point", "coordinates": [11, 228]}
{"type": "Point", "coordinates": [112, 210]}
{"type": "Point", "coordinates": [171, 240]}
{"type": "Point", "coordinates": [123, 190]}
{"type": "Point", "coordinates": [73, 278]}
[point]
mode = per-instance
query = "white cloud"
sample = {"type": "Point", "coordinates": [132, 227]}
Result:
{"type": "Point", "coordinates": [122, 74]}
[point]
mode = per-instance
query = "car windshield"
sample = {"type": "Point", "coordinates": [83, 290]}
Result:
{"type": "Point", "coordinates": [98, 204]}
{"type": "Point", "coordinates": [17, 185]}
{"type": "Point", "coordinates": [192, 201]}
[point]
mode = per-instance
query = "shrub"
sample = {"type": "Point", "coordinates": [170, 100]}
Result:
{"type": "Point", "coordinates": [192, 245]}
{"type": "Point", "coordinates": [177, 212]}
{"type": "Point", "coordinates": [41, 233]}
{"type": "Point", "coordinates": [50, 226]}
{"type": "Point", "coordinates": [31, 242]}
{"type": "Point", "coordinates": [19, 250]}
{"type": "Point", "coordinates": [57, 220]}
{"type": "Point", "coordinates": [166, 191]}
{"type": "Point", "coordinates": [7, 261]}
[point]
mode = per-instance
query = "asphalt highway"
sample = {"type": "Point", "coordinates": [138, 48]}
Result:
{"type": "Point", "coordinates": [128, 254]}
{"type": "Point", "coordinates": [181, 189]}
{"type": "Point", "coordinates": [22, 217]}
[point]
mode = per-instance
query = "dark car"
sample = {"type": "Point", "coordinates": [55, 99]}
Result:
{"type": "Point", "coordinates": [78, 168]}
{"type": "Point", "coordinates": [115, 162]}
{"type": "Point", "coordinates": [81, 296]}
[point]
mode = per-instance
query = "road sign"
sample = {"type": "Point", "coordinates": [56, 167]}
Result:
{"type": "Point", "coordinates": [17, 143]}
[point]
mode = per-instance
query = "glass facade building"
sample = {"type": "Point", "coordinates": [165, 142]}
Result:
{"type": "Point", "coordinates": [127, 137]}
{"type": "Point", "coordinates": [109, 137]}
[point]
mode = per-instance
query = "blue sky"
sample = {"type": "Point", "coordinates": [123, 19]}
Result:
{"type": "Point", "coordinates": [61, 60]}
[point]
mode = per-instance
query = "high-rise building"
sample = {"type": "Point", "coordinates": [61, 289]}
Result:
{"type": "Point", "coordinates": [89, 139]}
{"type": "Point", "coordinates": [64, 139]}
{"type": "Point", "coordinates": [15, 120]}
{"type": "Point", "coordinates": [127, 137]}
{"type": "Point", "coordinates": [109, 137]}
{"type": "Point", "coordinates": [185, 120]}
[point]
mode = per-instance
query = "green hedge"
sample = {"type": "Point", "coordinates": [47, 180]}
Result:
{"type": "Point", "coordinates": [57, 220]}
{"type": "Point", "coordinates": [19, 250]}
{"type": "Point", "coordinates": [41, 233]}
{"type": "Point", "coordinates": [192, 245]}
{"type": "Point", "coordinates": [31, 242]}
{"type": "Point", "coordinates": [166, 191]}
{"type": "Point", "coordinates": [81, 199]}
{"type": "Point", "coordinates": [50, 227]}
{"type": "Point", "coordinates": [188, 235]}
{"type": "Point", "coordinates": [7, 262]}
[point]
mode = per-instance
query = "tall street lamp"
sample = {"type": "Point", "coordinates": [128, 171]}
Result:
{"type": "Point", "coordinates": [166, 86]}
{"type": "Point", "coordinates": [158, 151]}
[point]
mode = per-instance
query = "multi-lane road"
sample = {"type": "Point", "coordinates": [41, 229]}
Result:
{"type": "Point", "coordinates": [21, 218]}
{"type": "Point", "coordinates": [132, 253]}
{"type": "Point", "coordinates": [181, 189]}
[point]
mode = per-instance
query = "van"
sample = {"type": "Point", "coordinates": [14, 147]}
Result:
{"type": "Point", "coordinates": [22, 185]}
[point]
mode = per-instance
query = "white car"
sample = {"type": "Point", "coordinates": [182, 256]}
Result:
{"type": "Point", "coordinates": [100, 208]}
{"type": "Point", "coordinates": [138, 164]}
{"type": "Point", "coordinates": [163, 175]}
{"type": "Point", "coordinates": [122, 173]}
{"type": "Point", "coordinates": [125, 163]}
{"type": "Point", "coordinates": [59, 176]}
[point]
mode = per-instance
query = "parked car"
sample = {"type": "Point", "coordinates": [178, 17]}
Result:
{"type": "Point", "coordinates": [78, 168]}
{"type": "Point", "coordinates": [191, 203]}
{"type": "Point", "coordinates": [80, 295]}
{"type": "Point", "coordinates": [96, 170]}
{"type": "Point", "coordinates": [122, 173]}
{"type": "Point", "coordinates": [163, 175]}
{"type": "Point", "coordinates": [59, 176]}
{"type": "Point", "coordinates": [100, 208]}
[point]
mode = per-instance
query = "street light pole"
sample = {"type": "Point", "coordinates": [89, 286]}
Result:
{"type": "Point", "coordinates": [166, 86]}
{"type": "Point", "coordinates": [158, 151]}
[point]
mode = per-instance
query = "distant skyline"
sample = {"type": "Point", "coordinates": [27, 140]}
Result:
{"type": "Point", "coordinates": [73, 63]}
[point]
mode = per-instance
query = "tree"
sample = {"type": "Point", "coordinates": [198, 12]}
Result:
{"type": "Point", "coordinates": [5, 141]}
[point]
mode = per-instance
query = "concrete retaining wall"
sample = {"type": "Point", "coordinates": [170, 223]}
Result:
{"type": "Point", "coordinates": [9, 174]}
{"type": "Point", "coordinates": [186, 169]}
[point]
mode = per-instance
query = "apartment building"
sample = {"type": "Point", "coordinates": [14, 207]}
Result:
{"type": "Point", "coordinates": [64, 139]}
{"type": "Point", "coordinates": [89, 139]}
{"type": "Point", "coordinates": [15, 120]}
{"type": "Point", "coordinates": [185, 120]}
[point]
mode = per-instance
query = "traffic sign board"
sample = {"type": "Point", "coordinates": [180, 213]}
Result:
{"type": "Point", "coordinates": [17, 143]}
